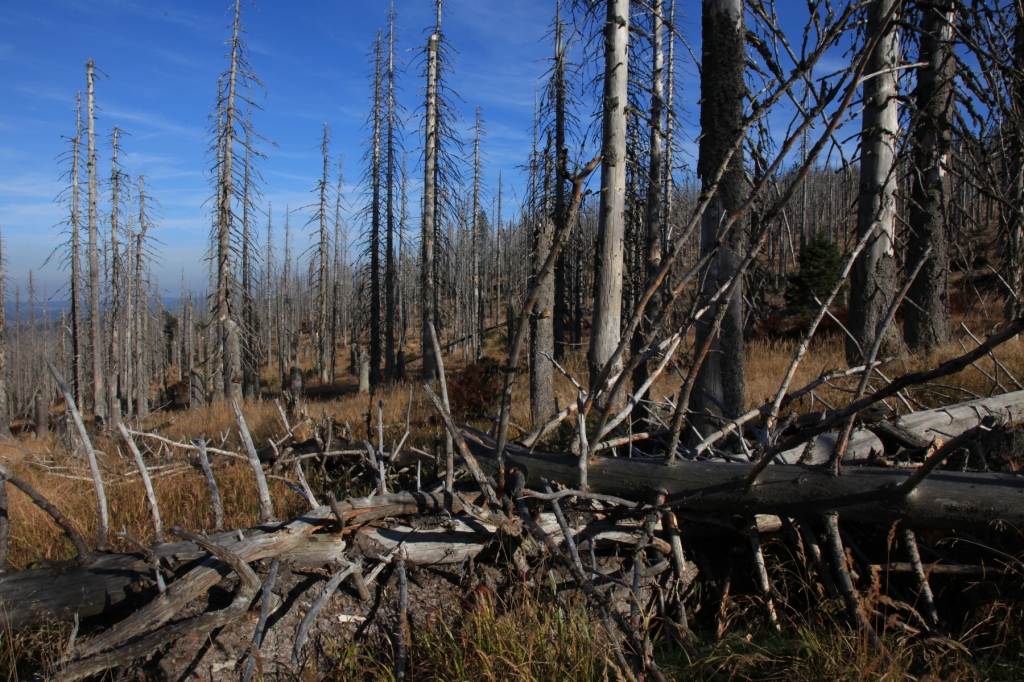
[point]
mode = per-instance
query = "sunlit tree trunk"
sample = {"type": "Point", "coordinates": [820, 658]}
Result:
{"type": "Point", "coordinates": [477, 314]}
{"type": "Point", "coordinates": [608, 261]}
{"type": "Point", "coordinates": [116, 285]}
{"type": "Point", "coordinates": [873, 279]}
{"type": "Point", "coordinates": [95, 319]}
{"type": "Point", "coordinates": [655, 198]}
{"type": "Point", "coordinates": [427, 288]}
{"type": "Point", "coordinates": [542, 396]}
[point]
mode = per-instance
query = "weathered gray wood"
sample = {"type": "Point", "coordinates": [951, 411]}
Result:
{"type": "Point", "coordinates": [542, 340]}
{"type": "Point", "coordinates": [42, 413]}
{"type": "Point", "coordinates": [95, 314]}
{"type": "Point", "coordinates": [265, 607]}
{"type": "Point", "coordinates": [942, 422]}
{"type": "Point", "coordinates": [611, 229]}
{"type": "Point", "coordinates": [434, 546]}
{"type": "Point", "coordinates": [154, 509]}
{"type": "Point", "coordinates": [108, 584]}
{"type": "Point", "coordinates": [97, 479]}
{"type": "Point", "coordinates": [428, 314]}
{"type": "Point", "coordinates": [89, 664]}
{"type": "Point", "coordinates": [873, 280]}
{"type": "Point", "coordinates": [112, 582]}
{"type": "Point", "coordinates": [314, 610]}
{"type": "Point", "coordinates": [266, 504]}
{"type": "Point", "coordinates": [939, 569]}
{"type": "Point", "coordinates": [944, 499]}
{"type": "Point", "coordinates": [204, 462]}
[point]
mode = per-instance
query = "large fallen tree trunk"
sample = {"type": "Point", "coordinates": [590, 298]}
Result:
{"type": "Point", "coordinates": [112, 580]}
{"type": "Point", "coordinates": [942, 422]}
{"type": "Point", "coordinates": [943, 499]}
{"type": "Point", "coordinates": [117, 581]}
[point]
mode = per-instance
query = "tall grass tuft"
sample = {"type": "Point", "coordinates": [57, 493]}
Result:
{"type": "Point", "coordinates": [529, 639]}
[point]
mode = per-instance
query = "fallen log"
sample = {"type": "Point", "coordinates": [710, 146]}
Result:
{"type": "Point", "coordinates": [943, 500]}
{"type": "Point", "coordinates": [939, 569]}
{"type": "Point", "coordinates": [113, 581]}
{"type": "Point", "coordinates": [941, 422]}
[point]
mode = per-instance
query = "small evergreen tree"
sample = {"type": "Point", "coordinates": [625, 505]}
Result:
{"type": "Point", "coordinates": [820, 266]}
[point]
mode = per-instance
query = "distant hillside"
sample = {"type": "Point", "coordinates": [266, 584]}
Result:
{"type": "Point", "coordinates": [51, 310]}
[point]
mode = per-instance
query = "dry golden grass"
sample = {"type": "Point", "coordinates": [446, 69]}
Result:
{"type": "Point", "coordinates": [183, 496]}
{"type": "Point", "coordinates": [534, 638]}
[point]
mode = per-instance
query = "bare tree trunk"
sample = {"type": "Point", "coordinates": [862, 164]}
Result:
{"type": "Point", "coordinates": [228, 362]}
{"type": "Point", "coordinates": [542, 394]}
{"type": "Point", "coordinates": [250, 320]}
{"type": "Point", "coordinates": [5, 418]}
{"type": "Point", "coordinates": [498, 244]}
{"type": "Point", "coordinates": [141, 385]}
{"type": "Point", "coordinates": [669, 120]}
{"type": "Point", "coordinates": [477, 315]}
{"type": "Point", "coordinates": [1013, 221]}
{"type": "Point", "coordinates": [336, 277]}
{"type": "Point", "coordinates": [390, 276]}
{"type": "Point", "coordinates": [95, 336]}
{"type": "Point", "coordinates": [873, 279]}
{"type": "Point", "coordinates": [926, 319]}
{"type": "Point", "coordinates": [578, 282]}
{"type": "Point", "coordinates": [116, 284]}
{"type": "Point", "coordinates": [561, 171]}
{"type": "Point", "coordinates": [374, 246]}
{"type": "Point", "coordinates": [655, 198]}
{"type": "Point", "coordinates": [427, 290]}
{"type": "Point", "coordinates": [607, 320]}
{"type": "Point", "coordinates": [128, 343]}
{"type": "Point", "coordinates": [721, 115]}
{"type": "Point", "coordinates": [77, 328]}
{"type": "Point", "coordinates": [283, 302]}
{"type": "Point", "coordinates": [323, 265]}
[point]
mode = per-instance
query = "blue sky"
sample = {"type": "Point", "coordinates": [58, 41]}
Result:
{"type": "Point", "coordinates": [162, 61]}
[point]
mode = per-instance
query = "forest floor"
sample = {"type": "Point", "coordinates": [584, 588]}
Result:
{"type": "Point", "coordinates": [510, 630]}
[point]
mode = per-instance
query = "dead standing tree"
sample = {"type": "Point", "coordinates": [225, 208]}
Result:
{"type": "Point", "coordinates": [608, 260]}
{"type": "Point", "coordinates": [720, 385]}
{"type": "Point", "coordinates": [95, 317]}
{"type": "Point", "coordinates": [542, 396]}
{"type": "Point", "coordinates": [322, 265]}
{"type": "Point", "coordinates": [428, 294]}
{"type": "Point", "coordinates": [74, 258]}
{"type": "Point", "coordinates": [927, 316]}
{"type": "Point", "coordinates": [654, 218]}
{"type": "Point", "coordinates": [5, 419]}
{"type": "Point", "coordinates": [873, 281]}
{"type": "Point", "coordinates": [117, 282]}
{"type": "Point", "coordinates": [648, 486]}
{"type": "Point", "coordinates": [392, 218]}
{"type": "Point", "coordinates": [477, 302]}
{"type": "Point", "coordinates": [373, 181]}
{"type": "Point", "coordinates": [250, 330]}
{"type": "Point", "coordinates": [231, 132]}
{"type": "Point", "coordinates": [138, 303]}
